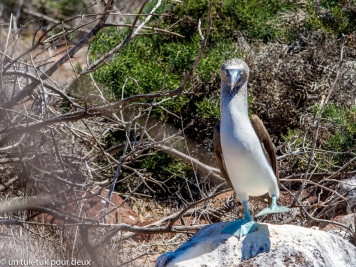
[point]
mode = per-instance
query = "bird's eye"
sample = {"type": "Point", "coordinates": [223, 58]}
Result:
{"type": "Point", "coordinates": [241, 71]}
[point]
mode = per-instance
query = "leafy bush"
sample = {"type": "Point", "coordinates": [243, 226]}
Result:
{"type": "Point", "coordinates": [149, 64]}
{"type": "Point", "coordinates": [332, 16]}
{"type": "Point", "coordinates": [167, 168]}
{"type": "Point", "coordinates": [208, 108]}
{"type": "Point", "coordinates": [336, 139]}
{"type": "Point", "coordinates": [256, 18]}
{"type": "Point", "coordinates": [342, 125]}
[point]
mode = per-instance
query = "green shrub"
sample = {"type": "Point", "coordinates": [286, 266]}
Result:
{"type": "Point", "coordinates": [342, 125]}
{"type": "Point", "coordinates": [332, 16]}
{"type": "Point", "coordinates": [208, 108]}
{"type": "Point", "coordinates": [256, 18]}
{"type": "Point", "coordinates": [166, 167]}
{"type": "Point", "coordinates": [148, 64]}
{"type": "Point", "coordinates": [336, 139]}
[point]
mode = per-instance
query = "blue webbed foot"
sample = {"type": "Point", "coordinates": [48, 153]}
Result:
{"type": "Point", "coordinates": [240, 228]}
{"type": "Point", "coordinates": [273, 209]}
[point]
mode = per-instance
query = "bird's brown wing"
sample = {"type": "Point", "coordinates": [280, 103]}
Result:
{"type": "Point", "coordinates": [268, 148]}
{"type": "Point", "coordinates": [219, 155]}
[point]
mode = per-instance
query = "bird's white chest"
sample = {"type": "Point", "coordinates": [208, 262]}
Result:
{"type": "Point", "coordinates": [247, 166]}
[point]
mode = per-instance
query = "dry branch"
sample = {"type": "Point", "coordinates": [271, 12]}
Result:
{"type": "Point", "coordinates": [319, 119]}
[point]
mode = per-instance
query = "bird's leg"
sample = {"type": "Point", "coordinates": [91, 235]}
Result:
{"type": "Point", "coordinates": [242, 227]}
{"type": "Point", "coordinates": [273, 209]}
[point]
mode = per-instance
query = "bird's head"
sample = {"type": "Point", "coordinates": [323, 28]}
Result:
{"type": "Point", "coordinates": [234, 73]}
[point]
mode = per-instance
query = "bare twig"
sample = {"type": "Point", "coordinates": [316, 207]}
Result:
{"type": "Point", "coordinates": [311, 157]}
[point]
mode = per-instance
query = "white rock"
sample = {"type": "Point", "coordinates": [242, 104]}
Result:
{"type": "Point", "coordinates": [271, 245]}
{"type": "Point", "coordinates": [348, 189]}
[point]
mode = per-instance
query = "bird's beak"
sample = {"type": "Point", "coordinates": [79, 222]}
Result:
{"type": "Point", "coordinates": [235, 77]}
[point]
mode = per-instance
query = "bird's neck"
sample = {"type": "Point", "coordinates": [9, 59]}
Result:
{"type": "Point", "coordinates": [234, 104]}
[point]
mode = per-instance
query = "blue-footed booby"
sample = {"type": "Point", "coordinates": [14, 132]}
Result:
{"type": "Point", "coordinates": [243, 148]}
